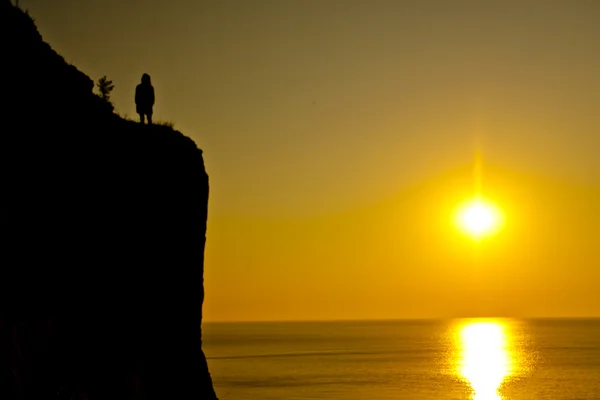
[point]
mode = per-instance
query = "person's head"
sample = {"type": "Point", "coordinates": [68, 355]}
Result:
{"type": "Point", "coordinates": [146, 79]}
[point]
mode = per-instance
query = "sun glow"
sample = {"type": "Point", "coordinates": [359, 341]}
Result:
{"type": "Point", "coordinates": [485, 361]}
{"type": "Point", "coordinates": [479, 218]}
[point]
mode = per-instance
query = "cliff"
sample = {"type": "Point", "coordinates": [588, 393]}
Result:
{"type": "Point", "coordinates": [103, 231]}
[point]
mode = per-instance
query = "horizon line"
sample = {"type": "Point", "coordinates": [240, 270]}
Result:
{"type": "Point", "coordinates": [423, 319]}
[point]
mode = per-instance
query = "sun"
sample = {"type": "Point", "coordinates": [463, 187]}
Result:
{"type": "Point", "coordinates": [479, 218]}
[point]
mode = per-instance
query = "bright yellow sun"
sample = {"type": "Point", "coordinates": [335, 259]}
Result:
{"type": "Point", "coordinates": [479, 218]}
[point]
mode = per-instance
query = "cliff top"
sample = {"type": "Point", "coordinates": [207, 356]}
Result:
{"type": "Point", "coordinates": [43, 89]}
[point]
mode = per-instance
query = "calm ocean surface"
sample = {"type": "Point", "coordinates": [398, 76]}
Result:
{"type": "Point", "coordinates": [458, 359]}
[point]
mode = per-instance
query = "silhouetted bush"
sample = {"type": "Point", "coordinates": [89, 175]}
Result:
{"type": "Point", "coordinates": [105, 87]}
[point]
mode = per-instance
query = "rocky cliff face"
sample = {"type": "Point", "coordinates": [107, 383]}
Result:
{"type": "Point", "coordinates": [103, 227]}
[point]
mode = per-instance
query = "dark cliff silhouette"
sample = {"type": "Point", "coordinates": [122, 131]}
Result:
{"type": "Point", "coordinates": [144, 99]}
{"type": "Point", "coordinates": [103, 227]}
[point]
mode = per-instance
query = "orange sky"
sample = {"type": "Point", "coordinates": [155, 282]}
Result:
{"type": "Point", "coordinates": [339, 135]}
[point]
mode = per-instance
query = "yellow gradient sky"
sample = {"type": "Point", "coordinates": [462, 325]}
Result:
{"type": "Point", "coordinates": [341, 135]}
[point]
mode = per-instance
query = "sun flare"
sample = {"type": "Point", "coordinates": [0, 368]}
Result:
{"type": "Point", "coordinates": [479, 218]}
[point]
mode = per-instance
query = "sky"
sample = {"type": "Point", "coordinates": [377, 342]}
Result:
{"type": "Point", "coordinates": [341, 135]}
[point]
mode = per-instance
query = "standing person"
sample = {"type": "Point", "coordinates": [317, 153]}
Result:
{"type": "Point", "coordinates": [144, 99]}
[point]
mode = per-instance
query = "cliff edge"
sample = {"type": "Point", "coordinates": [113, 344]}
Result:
{"type": "Point", "coordinates": [103, 231]}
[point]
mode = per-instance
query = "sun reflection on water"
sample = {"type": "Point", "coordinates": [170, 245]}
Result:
{"type": "Point", "coordinates": [485, 358]}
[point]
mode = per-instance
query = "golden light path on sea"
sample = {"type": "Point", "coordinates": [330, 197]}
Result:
{"type": "Point", "coordinates": [485, 359]}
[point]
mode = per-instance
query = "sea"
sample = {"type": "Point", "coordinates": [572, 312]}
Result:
{"type": "Point", "coordinates": [478, 359]}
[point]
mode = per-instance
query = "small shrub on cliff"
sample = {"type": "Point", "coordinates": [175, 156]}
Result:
{"type": "Point", "coordinates": [105, 87]}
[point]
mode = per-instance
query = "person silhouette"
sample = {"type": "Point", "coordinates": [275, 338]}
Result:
{"type": "Point", "coordinates": [144, 99]}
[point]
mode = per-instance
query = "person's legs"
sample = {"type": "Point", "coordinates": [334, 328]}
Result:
{"type": "Point", "coordinates": [141, 118]}
{"type": "Point", "coordinates": [149, 116]}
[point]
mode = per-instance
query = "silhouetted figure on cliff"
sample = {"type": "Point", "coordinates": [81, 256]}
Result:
{"type": "Point", "coordinates": [144, 99]}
